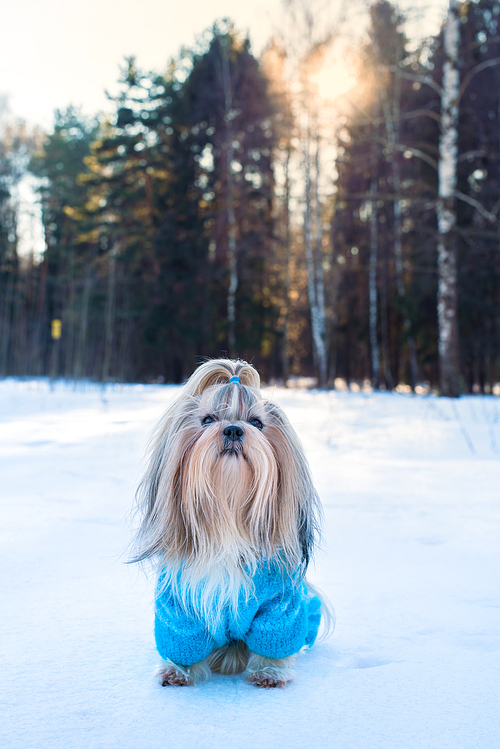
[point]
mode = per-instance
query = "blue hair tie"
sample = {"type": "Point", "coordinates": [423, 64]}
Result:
{"type": "Point", "coordinates": [234, 378]}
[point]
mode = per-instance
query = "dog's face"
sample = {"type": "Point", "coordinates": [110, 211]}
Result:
{"type": "Point", "coordinates": [230, 456]}
{"type": "Point", "coordinates": [227, 475]}
{"type": "Point", "coordinates": [233, 419]}
{"type": "Point", "coordinates": [231, 450]}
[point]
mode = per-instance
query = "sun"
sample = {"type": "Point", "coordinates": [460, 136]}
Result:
{"type": "Point", "coordinates": [334, 78]}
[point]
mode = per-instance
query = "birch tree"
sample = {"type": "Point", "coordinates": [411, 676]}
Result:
{"type": "Point", "coordinates": [315, 282]}
{"type": "Point", "coordinates": [230, 197]}
{"type": "Point", "coordinates": [391, 108]}
{"type": "Point", "coordinates": [447, 305]}
{"type": "Point", "coordinates": [315, 36]}
{"type": "Point", "coordinates": [372, 273]}
{"type": "Point", "coordinates": [109, 315]}
{"type": "Point", "coordinates": [274, 62]}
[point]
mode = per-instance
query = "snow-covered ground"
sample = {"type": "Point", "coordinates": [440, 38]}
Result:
{"type": "Point", "coordinates": [410, 560]}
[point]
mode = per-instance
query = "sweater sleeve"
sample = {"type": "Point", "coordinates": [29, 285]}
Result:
{"type": "Point", "coordinates": [180, 637]}
{"type": "Point", "coordinates": [285, 622]}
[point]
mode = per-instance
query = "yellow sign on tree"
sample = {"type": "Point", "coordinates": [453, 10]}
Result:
{"type": "Point", "coordinates": [55, 330]}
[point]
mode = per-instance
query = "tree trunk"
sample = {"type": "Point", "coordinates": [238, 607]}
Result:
{"type": "Point", "coordinates": [372, 289]}
{"type": "Point", "coordinates": [288, 253]}
{"type": "Point", "coordinates": [318, 263]}
{"type": "Point", "coordinates": [335, 278]}
{"type": "Point", "coordinates": [83, 328]}
{"type": "Point", "coordinates": [231, 218]}
{"type": "Point", "coordinates": [314, 274]}
{"type": "Point", "coordinates": [392, 116]}
{"type": "Point", "coordinates": [109, 316]}
{"type": "Point", "coordinates": [6, 329]}
{"type": "Point", "coordinates": [69, 313]}
{"type": "Point", "coordinates": [384, 325]}
{"type": "Point", "coordinates": [447, 303]}
{"type": "Point", "coordinates": [19, 322]}
{"type": "Point", "coordinates": [372, 273]}
{"type": "Point", "coordinates": [39, 343]}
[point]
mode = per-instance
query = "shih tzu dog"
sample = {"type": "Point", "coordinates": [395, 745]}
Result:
{"type": "Point", "coordinates": [229, 517]}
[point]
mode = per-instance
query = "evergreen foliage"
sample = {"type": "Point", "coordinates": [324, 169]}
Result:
{"type": "Point", "coordinates": [173, 229]}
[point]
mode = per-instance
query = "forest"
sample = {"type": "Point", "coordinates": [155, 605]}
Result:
{"type": "Point", "coordinates": [228, 206]}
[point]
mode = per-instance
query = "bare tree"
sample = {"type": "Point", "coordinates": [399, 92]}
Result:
{"type": "Point", "coordinates": [231, 217]}
{"type": "Point", "coordinates": [372, 274]}
{"type": "Point", "coordinates": [81, 346]}
{"type": "Point", "coordinates": [287, 260]}
{"type": "Point", "coordinates": [310, 154]}
{"type": "Point", "coordinates": [109, 320]}
{"type": "Point", "coordinates": [315, 284]}
{"type": "Point", "coordinates": [447, 304]}
{"type": "Point", "coordinates": [308, 50]}
{"type": "Point", "coordinates": [392, 117]}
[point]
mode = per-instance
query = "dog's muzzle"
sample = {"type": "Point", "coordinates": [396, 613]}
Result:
{"type": "Point", "coordinates": [232, 439]}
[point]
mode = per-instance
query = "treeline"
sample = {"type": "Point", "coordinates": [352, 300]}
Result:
{"type": "Point", "coordinates": [206, 216]}
{"type": "Point", "coordinates": [418, 205]}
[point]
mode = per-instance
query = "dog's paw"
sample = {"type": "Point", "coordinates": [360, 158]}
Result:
{"type": "Point", "coordinates": [267, 681]}
{"type": "Point", "coordinates": [269, 673]}
{"type": "Point", "coordinates": [171, 676]}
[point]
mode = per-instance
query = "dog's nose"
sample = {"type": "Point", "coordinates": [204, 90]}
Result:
{"type": "Point", "coordinates": [233, 432]}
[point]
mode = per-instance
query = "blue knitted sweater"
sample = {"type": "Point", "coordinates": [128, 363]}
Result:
{"type": "Point", "coordinates": [276, 619]}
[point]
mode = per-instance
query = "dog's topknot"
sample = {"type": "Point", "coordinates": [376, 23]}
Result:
{"type": "Point", "coordinates": [219, 372]}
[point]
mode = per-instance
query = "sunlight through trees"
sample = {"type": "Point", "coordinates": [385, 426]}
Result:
{"type": "Point", "coordinates": [330, 210]}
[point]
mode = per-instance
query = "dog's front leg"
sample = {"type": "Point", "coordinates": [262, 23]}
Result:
{"type": "Point", "coordinates": [268, 673]}
{"type": "Point", "coordinates": [171, 674]}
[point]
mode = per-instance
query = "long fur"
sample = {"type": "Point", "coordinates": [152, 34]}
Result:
{"type": "Point", "coordinates": [209, 514]}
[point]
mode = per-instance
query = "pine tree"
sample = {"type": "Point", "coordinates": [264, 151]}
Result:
{"type": "Point", "coordinates": [182, 185]}
{"type": "Point", "coordinates": [58, 165]}
{"type": "Point", "coordinates": [478, 184]}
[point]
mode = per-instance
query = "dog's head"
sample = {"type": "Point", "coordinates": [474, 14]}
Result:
{"type": "Point", "coordinates": [227, 477]}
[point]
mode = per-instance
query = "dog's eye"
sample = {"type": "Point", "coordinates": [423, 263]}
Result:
{"type": "Point", "coordinates": [257, 423]}
{"type": "Point", "coordinates": [207, 420]}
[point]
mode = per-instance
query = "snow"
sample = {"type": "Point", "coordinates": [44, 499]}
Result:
{"type": "Point", "coordinates": [410, 560]}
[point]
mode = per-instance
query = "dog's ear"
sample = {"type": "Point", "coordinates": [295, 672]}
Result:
{"type": "Point", "coordinates": [157, 498]}
{"type": "Point", "coordinates": [296, 488]}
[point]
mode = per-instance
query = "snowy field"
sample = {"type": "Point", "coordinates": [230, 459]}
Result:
{"type": "Point", "coordinates": [410, 560]}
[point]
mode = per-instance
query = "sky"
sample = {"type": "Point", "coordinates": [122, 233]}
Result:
{"type": "Point", "coordinates": [59, 52]}
{"type": "Point", "coordinates": [56, 52]}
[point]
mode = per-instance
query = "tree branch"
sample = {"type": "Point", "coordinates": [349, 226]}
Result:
{"type": "Point", "coordinates": [468, 154]}
{"type": "Point", "coordinates": [426, 79]}
{"type": "Point", "coordinates": [477, 205]}
{"type": "Point", "coordinates": [418, 153]}
{"type": "Point", "coordinates": [422, 113]}
{"type": "Point", "coordinates": [368, 197]}
{"type": "Point", "coordinates": [478, 69]}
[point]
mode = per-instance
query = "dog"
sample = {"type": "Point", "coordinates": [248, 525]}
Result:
{"type": "Point", "coordinates": [229, 516]}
